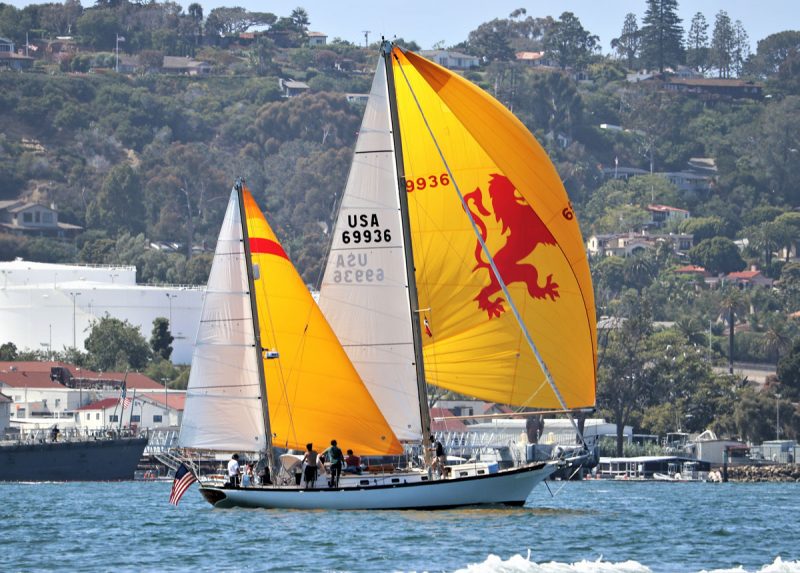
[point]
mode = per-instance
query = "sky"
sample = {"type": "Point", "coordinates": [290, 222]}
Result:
{"type": "Point", "coordinates": [450, 21]}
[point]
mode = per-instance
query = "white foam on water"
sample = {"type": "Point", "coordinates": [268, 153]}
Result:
{"type": "Point", "coordinates": [777, 566]}
{"type": "Point", "coordinates": [520, 564]}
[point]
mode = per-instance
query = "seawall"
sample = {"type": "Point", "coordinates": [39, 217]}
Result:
{"type": "Point", "coordinates": [783, 473]}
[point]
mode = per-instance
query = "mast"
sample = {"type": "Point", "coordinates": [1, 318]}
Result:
{"type": "Point", "coordinates": [416, 329]}
{"type": "Point", "coordinates": [239, 186]}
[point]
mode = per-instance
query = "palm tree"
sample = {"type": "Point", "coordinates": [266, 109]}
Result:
{"type": "Point", "coordinates": [733, 302]}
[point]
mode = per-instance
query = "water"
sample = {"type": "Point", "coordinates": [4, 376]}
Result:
{"type": "Point", "coordinates": [588, 527]}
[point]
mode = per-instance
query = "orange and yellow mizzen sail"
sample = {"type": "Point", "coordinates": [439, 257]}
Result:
{"type": "Point", "coordinates": [314, 392]}
{"type": "Point", "coordinates": [473, 344]}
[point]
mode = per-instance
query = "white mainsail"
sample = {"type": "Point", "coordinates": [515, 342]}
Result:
{"type": "Point", "coordinates": [223, 398]}
{"type": "Point", "coordinates": [364, 292]}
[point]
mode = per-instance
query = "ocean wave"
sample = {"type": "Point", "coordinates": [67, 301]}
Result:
{"type": "Point", "coordinates": [520, 564]}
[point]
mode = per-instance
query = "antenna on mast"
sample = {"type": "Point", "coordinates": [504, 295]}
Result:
{"type": "Point", "coordinates": [366, 37]}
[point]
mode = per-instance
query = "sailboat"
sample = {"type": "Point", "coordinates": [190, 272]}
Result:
{"type": "Point", "coordinates": [456, 260]}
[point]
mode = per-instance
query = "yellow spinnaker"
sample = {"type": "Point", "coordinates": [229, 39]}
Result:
{"type": "Point", "coordinates": [314, 393]}
{"type": "Point", "coordinates": [472, 342]}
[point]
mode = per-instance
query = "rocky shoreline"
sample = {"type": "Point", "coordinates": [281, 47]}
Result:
{"type": "Point", "coordinates": [777, 473]}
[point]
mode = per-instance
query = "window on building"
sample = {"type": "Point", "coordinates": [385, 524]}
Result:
{"type": "Point", "coordinates": [44, 403]}
{"type": "Point", "coordinates": [157, 418]}
{"type": "Point", "coordinates": [113, 418]}
{"type": "Point", "coordinates": [38, 216]}
{"type": "Point", "coordinates": [88, 415]}
{"type": "Point", "coordinates": [97, 416]}
{"type": "Point", "coordinates": [136, 418]}
{"type": "Point", "coordinates": [27, 217]}
{"type": "Point", "coordinates": [58, 402]}
{"type": "Point", "coordinates": [47, 217]}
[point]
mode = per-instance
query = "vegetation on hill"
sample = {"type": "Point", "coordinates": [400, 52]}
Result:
{"type": "Point", "coordinates": [142, 158]}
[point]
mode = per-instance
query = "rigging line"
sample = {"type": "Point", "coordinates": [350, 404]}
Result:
{"type": "Point", "coordinates": [490, 258]}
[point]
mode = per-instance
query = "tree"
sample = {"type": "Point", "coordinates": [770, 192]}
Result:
{"type": "Point", "coordinates": [741, 47]}
{"type": "Point", "coordinates": [8, 352]}
{"type": "Point", "coordinates": [772, 52]}
{"type": "Point", "coordinates": [98, 28]}
{"type": "Point", "coordinates": [717, 255]}
{"type": "Point", "coordinates": [788, 372]}
{"type": "Point", "coordinates": [118, 205]}
{"type": "Point", "coordinates": [568, 43]}
{"type": "Point", "coordinates": [662, 35]}
{"type": "Point", "coordinates": [629, 41]}
{"type": "Point", "coordinates": [161, 338]}
{"type": "Point", "coordinates": [697, 51]}
{"type": "Point", "coordinates": [722, 45]}
{"type": "Point", "coordinates": [115, 344]}
{"type": "Point", "coordinates": [490, 41]}
{"type": "Point", "coordinates": [623, 388]}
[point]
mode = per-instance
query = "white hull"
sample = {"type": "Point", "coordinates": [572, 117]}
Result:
{"type": "Point", "coordinates": [508, 487]}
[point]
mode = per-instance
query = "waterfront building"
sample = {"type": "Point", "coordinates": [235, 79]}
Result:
{"type": "Point", "coordinates": [51, 307]}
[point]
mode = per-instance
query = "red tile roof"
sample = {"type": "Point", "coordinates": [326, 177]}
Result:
{"type": "Point", "coordinates": [176, 401]}
{"type": "Point", "coordinates": [691, 269]}
{"type": "Point", "coordinates": [745, 275]}
{"type": "Point", "coordinates": [135, 380]}
{"type": "Point", "coordinates": [35, 366]}
{"type": "Point", "coordinates": [445, 425]}
{"type": "Point", "coordinates": [104, 404]}
{"type": "Point", "coordinates": [29, 380]}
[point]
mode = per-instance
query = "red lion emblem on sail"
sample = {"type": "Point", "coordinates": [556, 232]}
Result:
{"type": "Point", "coordinates": [525, 232]}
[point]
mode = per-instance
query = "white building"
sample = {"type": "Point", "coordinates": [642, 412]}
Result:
{"type": "Point", "coordinates": [46, 393]}
{"type": "Point", "coordinates": [5, 413]}
{"type": "Point", "coordinates": [143, 411]}
{"type": "Point", "coordinates": [53, 306]}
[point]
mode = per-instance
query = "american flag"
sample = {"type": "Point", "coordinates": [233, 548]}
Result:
{"type": "Point", "coordinates": [126, 402]}
{"type": "Point", "coordinates": [427, 327]}
{"type": "Point", "coordinates": [183, 479]}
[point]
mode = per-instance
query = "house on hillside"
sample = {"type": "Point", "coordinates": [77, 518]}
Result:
{"type": "Point", "coordinates": [452, 60]}
{"type": "Point", "coordinates": [317, 38]}
{"type": "Point", "coordinates": [715, 88]}
{"type": "Point", "coordinates": [185, 65]}
{"type": "Point", "coordinates": [32, 219]}
{"type": "Point", "coordinates": [628, 244]}
{"type": "Point", "coordinates": [292, 88]}
{"type": "Point", "coordinates": [749, 278]}
{"type": "Point", "coordinates": [663, 214]}
{"type": "Point", "coordinates": [9, 59]}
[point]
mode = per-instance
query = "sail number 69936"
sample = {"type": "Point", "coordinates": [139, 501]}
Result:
{"type": "Point", "coordinates": [366, 236]}
{"type": "Point", "coordinates": [430, 181]}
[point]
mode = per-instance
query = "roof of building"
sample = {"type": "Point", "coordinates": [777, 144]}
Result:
{"type": "Point", "coordinates": [449, 53]}
{"type": "Point", "coordinates": [294, 84]}
{"type": "Point", "coordinates": [665, 208]}
{"type": "Point", "coordinates": [134, 381]}
{"type": "Point", "coordinates": [744, 275]}
{"type": "Point", "coordinates": [24, 379]}
{"type": "Point", "coordinates": [31, 366]}
{"type": "Point", "coordinates": [691, 269]}
{"type": "Point", "coordinates": [529, 56]}
{"type": "Point", "coordinates": [445, 425]}
{"type": "Point", "coordinates": [714, 82]}
{"type": "Point", "coordinates": [103, 404]}
{"type": "Point", "coordinates": [316, 35]}
{"type": "Point", "coordinates": [181, 62]}
{"type": "Point", "coordinates": [176, 401]}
